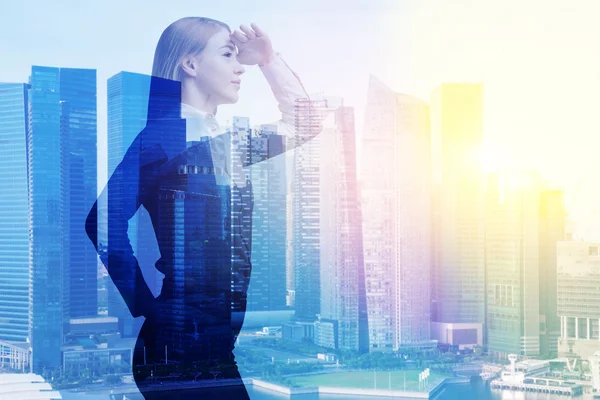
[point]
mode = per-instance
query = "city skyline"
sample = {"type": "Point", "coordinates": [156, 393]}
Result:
{"type": "Point", "coordinates": [445, 217]}
{"type": "Point", "coordinates": [411, 120]}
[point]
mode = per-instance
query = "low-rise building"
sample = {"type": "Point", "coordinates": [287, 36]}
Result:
{"type": "Point", "coordinates": [578, 280]}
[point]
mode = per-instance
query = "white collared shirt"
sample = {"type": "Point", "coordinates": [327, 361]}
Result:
{"type": "Point", "coordinates": [286, 87]}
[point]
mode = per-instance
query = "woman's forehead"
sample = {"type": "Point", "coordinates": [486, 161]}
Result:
{"type": "Point", "coordinates": [221, 39]}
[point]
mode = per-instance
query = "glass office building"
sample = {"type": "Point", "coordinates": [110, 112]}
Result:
{"type": "Point", "coordinates": [61, 159]}
{"type": "Point", "coordinates": [48, 294]}
{"type": "Point", "coordinates": [267, 289]}
{"type": "Point", "coordinates": [343, 312]}
{"type": "Point", "coordinates": [306, 209]}
{"type": "Point", "coordinates": [127, 113]}
{"type": "Point", "coordinates": [14, 230]}
{"type": "Point", "coordinates": [513, 262]}
{"type": "Point", "coordinates": [396, 204]}
{"type": "Point", "coordinates": [457, 134]}
{"type": "Point", "coordinates": [78, 182]}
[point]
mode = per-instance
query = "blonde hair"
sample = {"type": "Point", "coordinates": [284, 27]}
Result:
{"type": "Point", "coordinates": [186, 36]}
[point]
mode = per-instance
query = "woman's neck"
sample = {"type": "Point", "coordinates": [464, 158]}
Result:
{"type": "Point", "coordinates": [191, 96]}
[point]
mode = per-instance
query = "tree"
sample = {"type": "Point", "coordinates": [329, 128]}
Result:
{"type": "Point", "coordinates": [113, 379]}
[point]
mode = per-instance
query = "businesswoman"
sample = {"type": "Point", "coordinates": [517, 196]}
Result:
{"type": "Point", "coordinates": [189, 175]}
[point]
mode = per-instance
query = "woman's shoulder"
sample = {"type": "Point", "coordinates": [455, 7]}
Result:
{"type": "Point", "coordinates": [166, 135]}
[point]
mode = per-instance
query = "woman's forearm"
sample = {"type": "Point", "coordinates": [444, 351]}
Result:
{"type": "Point", "coordinates": [286, 87]}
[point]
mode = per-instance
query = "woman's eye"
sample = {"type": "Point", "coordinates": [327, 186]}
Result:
{"type": "Point", "coordinates": [228, 54]}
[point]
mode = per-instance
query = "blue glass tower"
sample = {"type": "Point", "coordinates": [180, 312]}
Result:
{"type": "Point", "coordinates": [14, 230]}
{"type": "Point", "coordinates": [128, 95]}
{"type": "Point", "coordinates": [267, 291]}
{"type": "Point", "coordinates": [127, 112]}
{"type": "Point", "coordinates": [61, 157]}
{"type": "Point", "coordinates": [47, 269]}
{"type": "Point", "coordinates": [79, 176]}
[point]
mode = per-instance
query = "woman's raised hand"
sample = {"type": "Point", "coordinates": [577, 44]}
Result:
{"type": "Point", "coordinates": [254, 46]}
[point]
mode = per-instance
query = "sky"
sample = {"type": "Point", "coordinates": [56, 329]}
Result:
{"type": "Point", "coordinates": [537, 60]}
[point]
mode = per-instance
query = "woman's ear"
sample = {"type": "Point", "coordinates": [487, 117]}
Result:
{"type": "Point", "coordinates": [189, 65]}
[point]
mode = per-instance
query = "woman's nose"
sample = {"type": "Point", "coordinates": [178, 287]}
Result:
{"type": "Point", "coordinates": [240, 69]}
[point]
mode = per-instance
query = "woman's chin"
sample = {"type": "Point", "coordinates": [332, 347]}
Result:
{"type": "Point", "coordinates": [234, 99]}
{"type": "Point", "coordinates": [231, 99]}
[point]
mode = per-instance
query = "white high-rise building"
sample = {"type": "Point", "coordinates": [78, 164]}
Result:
{"type": "Point", "coordinates": [306, 209]}
{"type": "Point", "coordinates": [342, 320]}
{"type": "Point", "coordinates": [396, 199]}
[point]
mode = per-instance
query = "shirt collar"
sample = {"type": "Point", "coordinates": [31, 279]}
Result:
{"type": "Point", "coordinates": [188, 111]}
{"type": "Point", "coordinates": [199, 123]}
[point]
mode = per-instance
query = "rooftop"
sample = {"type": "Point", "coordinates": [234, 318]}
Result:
{"type": "Point", "coordinates": [26, 386]}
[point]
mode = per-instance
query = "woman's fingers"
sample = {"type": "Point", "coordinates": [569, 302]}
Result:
{"type": "Point", "coordinates": [259, 32]}
{"type": "Point", "coordinates": [236, 41]}
{"type": "Point", "coordinates": [240, 36]}
{"type": "Point", "coordinates": [249, 33]}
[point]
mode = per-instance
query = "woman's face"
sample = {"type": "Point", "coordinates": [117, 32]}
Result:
{"type": "Point", "coordinates": [218, 70]}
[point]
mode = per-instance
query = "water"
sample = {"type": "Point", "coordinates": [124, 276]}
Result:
{"type": "Point", "coordinates": [476, 391]}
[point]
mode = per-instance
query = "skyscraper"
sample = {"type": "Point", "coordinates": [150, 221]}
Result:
{"type": "Point", "coordinates": [513, 262]}
{"type": "Point", "coordinates": [61, 151]}
{"type": "Point", "coordinates": [552, 230]}
{"type": "Point", "coordinates": [267, 291]}
{"type": "Point", "coordinates": [290, 278]}
{"type": "Point", "coordinates": [342, 320]}
{"type": "Point", "coordinates": [458, 279]}
{"type": "Point", "coordinates": [48, 275]}
{"type": "Point", "coordinates": [14, 229]}
{"type": "Point", "coordinates": [305, 209]}
{"type": "Point", "coordinates": [128, 95]}
{"type": "Point", "coordinates": [79, 176]}
{"type": "Point", "coordinates": [396, 191]}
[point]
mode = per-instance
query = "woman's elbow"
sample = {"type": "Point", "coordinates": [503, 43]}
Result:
{"type": "Point", "coordinates": [91, 225]}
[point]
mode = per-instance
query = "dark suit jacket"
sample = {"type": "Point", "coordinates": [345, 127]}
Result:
{"type": "Point", "coordinates": [200, 204]}
{"type": "Point", "coordinates": [201, 212]}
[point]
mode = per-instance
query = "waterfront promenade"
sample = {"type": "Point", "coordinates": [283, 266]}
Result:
{"type": "Point", "coordinates": [540, 385]}
{"type": "Point", "coordinates": [173, 387]}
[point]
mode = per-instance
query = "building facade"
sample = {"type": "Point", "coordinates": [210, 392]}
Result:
{"type": "Point", "coordinates": [61, 157]}
{"type": "Point", "coordinates": [552, 230]}
{"type": "Point", "coordinates": [49, 291]}
{"type": "Point", "coordinates": [128, 95]}
{"type": "Point", "coordinates": [306, 209]}
{"type": "Point", "coordinates": [342, 320]}
{"type": "Point", "coordinates": [513, 262]}
{"type": "Point", "coordinates": [578, 279]}
{"type": "Point", "coordinates": [457, 133]}
{"type": "Point", "coordinates": [79, 185]}
{"type": "Point", "coordinates": [14, 229]}
{"type": "Point", "coordinates": [267, 291]}
{"type": "Point", "coordinates": [396, 200]}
